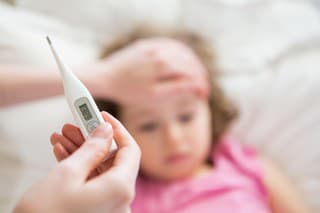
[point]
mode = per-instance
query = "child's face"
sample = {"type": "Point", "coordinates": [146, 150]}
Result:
{"type": "Point", "coordinates": [174, 134]}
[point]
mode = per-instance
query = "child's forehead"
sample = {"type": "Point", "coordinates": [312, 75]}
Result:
{"type": "Point", "coordinates": [155, 106]}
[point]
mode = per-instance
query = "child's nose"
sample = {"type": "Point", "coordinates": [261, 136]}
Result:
{"type": "Point", "coordinates": [173, 137]}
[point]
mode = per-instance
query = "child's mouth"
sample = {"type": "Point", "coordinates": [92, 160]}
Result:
{"type": "Point", "coordinates": [177, 158]}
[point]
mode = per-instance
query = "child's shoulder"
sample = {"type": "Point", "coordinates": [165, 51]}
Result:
{"type": "Point", "coordinates": [234, 149]}
{"type": "Point", "coordinates": [242, 158]}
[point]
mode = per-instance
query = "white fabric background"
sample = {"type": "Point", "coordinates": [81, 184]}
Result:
{"type": "Point", "coordinates": [269, 55]}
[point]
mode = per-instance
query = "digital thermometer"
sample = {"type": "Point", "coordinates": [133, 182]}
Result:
{"type": "Point", "coordinates": [81, 103]}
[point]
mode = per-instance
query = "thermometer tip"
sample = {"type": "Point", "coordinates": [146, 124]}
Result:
{"type": "Point", "coordinates": [48, 39]}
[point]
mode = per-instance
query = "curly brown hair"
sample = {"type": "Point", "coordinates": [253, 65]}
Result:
{"type": "Point", "coordinates": [223, 112]}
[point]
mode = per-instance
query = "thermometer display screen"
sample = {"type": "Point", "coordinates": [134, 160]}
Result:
{"type": "Point", "coordinates": [85, 112]}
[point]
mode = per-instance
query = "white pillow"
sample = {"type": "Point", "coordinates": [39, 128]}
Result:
{"type": "Point", "coordinates": [23, 41]}
{"type": "Point", "coordinates": [280, 114]}
{"type": "Point", "coordinates": [247, 34]}
{"type": "Point", "coordinates": [107, 17]}
{"type": "Point", "coordinates": [250, 34]}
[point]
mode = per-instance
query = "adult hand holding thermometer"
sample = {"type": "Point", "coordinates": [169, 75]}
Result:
{"type": "Point", "coordinates": [81, 103]}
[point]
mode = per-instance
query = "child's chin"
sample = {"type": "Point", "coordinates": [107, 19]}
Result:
{"type": "Point", "coordinates": [180, 174]}
{"type": "Point", "coordinates": [170, 174]}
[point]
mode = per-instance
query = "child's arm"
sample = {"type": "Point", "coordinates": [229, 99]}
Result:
{"type": "Point", "coordinates": [282, 194]}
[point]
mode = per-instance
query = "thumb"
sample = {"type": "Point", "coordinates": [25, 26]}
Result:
{"type": "Point", "coordinates": [92, 152]}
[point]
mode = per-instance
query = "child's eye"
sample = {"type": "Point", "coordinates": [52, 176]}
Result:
{"type": "Point", "coordinates": [186, 117]}
{"type": "Point", "coordinates": [148, 127]}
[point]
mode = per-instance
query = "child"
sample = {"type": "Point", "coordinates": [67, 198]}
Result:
{"type": "Point", "coordinates": [188, 163]}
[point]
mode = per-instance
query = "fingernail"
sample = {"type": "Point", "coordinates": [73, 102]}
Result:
{"type": "Point", "coordinates": [104, 130]}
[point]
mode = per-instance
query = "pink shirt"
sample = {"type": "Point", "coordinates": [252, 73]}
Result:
{"type": "Point", "coordinates": [234, 185]}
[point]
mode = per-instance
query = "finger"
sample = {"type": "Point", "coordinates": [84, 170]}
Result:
{"type": "Point", "coordinates": [178, 85]}
{"type": "Point", "coordinates": [93, 174]}
{"type": "Point", "coordinates": [202, 91]}
{"type": "Point", "coordinates": [172, 86]}
{"type": "Point", "coordinates": [73, 133]}
{"type": "Point", "coordinates": [88, 157]}
{"type": "Point", "coordinates": [127, 158]}
{"type": "Point", "coordinates": [59, 152]}
{"type": "Point", "coordinates": [177, 70]}
{"type": "Point", "coordinates": [65, 142]}
{"type": "Point", "coordinates": [199, 86]}
{"type": "Point", "coordinates": [106, 165]}
{"type": "Point", "coordinates": [120, 133]}
{"type": "Point", "coordinates": [169, 74]}
{"type": "Point", "coordinates": [53, 139]}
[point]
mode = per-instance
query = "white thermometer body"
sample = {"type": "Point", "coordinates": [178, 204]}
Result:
{"type": "Point", "coordinates": [81, 103]}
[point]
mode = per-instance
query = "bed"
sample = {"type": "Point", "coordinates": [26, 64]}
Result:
{"type": "Point", "coordinates": [268, 54]}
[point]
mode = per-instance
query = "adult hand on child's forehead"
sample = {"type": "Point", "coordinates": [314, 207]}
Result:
{"type": "Point", "coordinates": [149, 68]}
